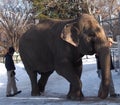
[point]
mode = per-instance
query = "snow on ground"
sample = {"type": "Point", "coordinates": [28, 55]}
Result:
{"type": "Point", "coordinates": [57, 88]}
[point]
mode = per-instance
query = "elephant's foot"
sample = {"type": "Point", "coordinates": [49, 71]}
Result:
{"type": "Point", "coordinates": [75, 95]}
{"type": "Point", "coordinates": [103, 93]}
{"type": "Point", "coordinates": [35, 93]}
{"type": "Point", "coordinates": [41, 89]}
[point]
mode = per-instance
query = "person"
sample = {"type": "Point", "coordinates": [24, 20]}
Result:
{"type": "Point", "coordinates": [111, 89]}
{"type": "Point", "coordinates": [11, 83]}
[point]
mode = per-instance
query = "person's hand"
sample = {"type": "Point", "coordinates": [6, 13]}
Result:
{"type": "Point", "coordinates": [12, 73]}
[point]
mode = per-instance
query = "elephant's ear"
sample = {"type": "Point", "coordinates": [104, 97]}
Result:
{"type": "Point", "coordinates": [70, 34]}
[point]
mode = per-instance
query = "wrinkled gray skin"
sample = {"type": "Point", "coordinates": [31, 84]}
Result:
{"type": "Point", "coordinates": [60, 45]}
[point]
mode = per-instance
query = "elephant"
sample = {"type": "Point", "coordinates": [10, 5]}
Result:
{"type": "Point", "coordinates": [59, 45]}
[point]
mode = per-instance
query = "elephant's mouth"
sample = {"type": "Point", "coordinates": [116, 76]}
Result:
{"type": "Point", "coordinates": [91, 52]}
{"type": "Point", "coordinates": [88, 50]}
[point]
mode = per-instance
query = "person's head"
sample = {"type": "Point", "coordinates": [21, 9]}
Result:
{"type": "Point", "coordinates": [11, 50]}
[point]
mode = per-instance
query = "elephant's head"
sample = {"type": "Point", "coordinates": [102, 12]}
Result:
{"type": "Point", "coordinates": [90, 38]}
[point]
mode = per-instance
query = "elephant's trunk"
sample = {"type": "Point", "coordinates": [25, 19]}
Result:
{"type": "Point", "coordinates": [104, 56]}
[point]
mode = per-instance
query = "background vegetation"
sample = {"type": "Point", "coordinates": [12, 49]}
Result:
{"type": "Point", "coordinates": [16, 16]}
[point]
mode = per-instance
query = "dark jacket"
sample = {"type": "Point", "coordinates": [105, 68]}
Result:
{"type": "Point", "coordinates": [98, 63]}
{"type": "Point", "coordinates": [9, 63]}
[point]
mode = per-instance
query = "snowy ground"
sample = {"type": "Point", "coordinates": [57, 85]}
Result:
{"type": "Point", "coordinates": [57, 88]}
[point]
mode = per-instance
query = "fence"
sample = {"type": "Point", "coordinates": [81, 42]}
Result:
{"type": "Point", "coordinates": [111, 25]}
{"type": "Point", "coordinates": [115, 52]}
{"type": "Point", "coordinates": [16, 58]}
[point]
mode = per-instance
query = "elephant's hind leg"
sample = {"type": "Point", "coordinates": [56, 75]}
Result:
{"type": "Point", "coordinates": [33, 77]}
{"type": "Point", "coordinates": [43, 80]}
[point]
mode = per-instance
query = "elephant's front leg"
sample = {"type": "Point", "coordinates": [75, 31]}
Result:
{"type": "Point", "coordinates": [78, 71]}
{"type": "Point", "coordinates": [67, 70]}
{"type": "Point", "coordinates": [34, 85]}
{"type": "Point", "coordinates": [75, 95]}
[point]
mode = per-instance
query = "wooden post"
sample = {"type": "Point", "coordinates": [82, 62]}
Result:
{"type": "Point", "coordinates": [119, 19]}
{"type": "Point", "coordinates": [118, 40]}
{"type": "Point", "coordinates": [100, 19]}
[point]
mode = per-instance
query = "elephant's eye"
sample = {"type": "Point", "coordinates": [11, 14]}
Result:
{"type": "Point", "coordinates": [92, 34]}
{"type": "Point", "coordinates": [89, 32]}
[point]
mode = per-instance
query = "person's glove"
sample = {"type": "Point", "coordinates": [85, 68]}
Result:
{"type": "Point", "coordinates": [12, 73]}
{"type": "Point", "coordinates": [99, 73]}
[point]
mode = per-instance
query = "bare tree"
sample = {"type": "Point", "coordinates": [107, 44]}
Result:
{"type": "Point", "coordinates": [15, 19]}
{"type": "Point", "coordinates": [105, 7]}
